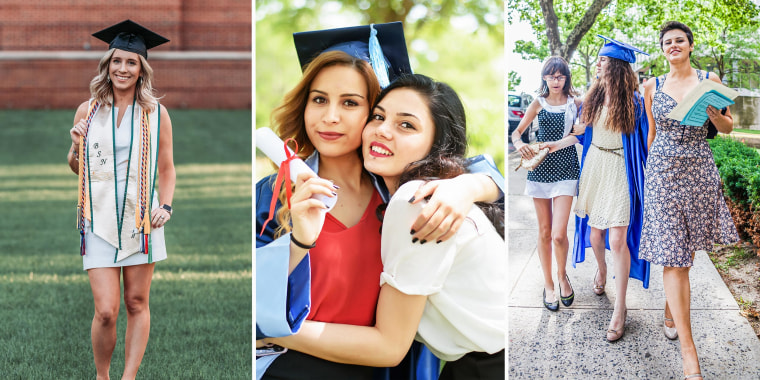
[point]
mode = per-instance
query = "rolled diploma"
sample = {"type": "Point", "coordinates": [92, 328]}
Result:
{"type": "Point", "coordinates": [269, 143]}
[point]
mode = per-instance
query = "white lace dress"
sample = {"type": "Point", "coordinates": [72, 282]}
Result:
{"type": "Point", "coordinates": [603, 187]}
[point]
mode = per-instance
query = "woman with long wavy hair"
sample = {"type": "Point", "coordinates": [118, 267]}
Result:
{"type": "Point", "coordinates": [449, 296]}
{"type": "Point", "coordinates": [610, 186]}
{"type": "Point", "coordinates": [338, 252]}
{"type": "Point", "coordinates": [122, 141]}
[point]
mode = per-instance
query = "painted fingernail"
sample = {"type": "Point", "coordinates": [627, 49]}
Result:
{"type": "Point", "coordinates": [438, 242]}
{"type": "Point", "coordinates": [334, 193]}
{"type": "Point", "coordinates": [336, 187]}
{"type": "Point", "coordinates": [412, 199]}
{"type": "Point", "coordinates": [423, 242]}
{"type": "Point", "coordinates": [415, 240]}
{"type": "Point", "coordinates": [412, 232]}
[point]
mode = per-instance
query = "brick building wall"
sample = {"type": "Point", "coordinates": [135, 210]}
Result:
{"type": "Point", "coordinates": [207, 63]}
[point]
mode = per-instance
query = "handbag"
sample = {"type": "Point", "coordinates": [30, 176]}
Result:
{"type": "Point", "coordinates": [711, 130]}
{"type": "Point", "coordinates": [538, 157]}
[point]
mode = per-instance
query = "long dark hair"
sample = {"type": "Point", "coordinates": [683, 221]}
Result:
{"type": "Point", "coordinates": [618, 82]}
{"type": "Point", "coordinates": [446, 157]}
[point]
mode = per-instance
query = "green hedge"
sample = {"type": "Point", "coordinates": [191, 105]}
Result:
{"type": "Point", "coordinates": [739, 167]}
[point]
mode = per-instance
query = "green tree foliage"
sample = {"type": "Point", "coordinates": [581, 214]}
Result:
{"type": "Point", "coordinates": [720, 28]}
{"type": "Point", "coordinates": [724, 30]}
{"type": "Point", "coordinates": [460, 43]}
{"type": "Point", "coordinates": [577, 24]}
{"type": "Point", "coordinates": [513, 80]}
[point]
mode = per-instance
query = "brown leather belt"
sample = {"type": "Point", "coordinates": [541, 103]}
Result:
{"type": "Point", "coordinates": [610, 150]}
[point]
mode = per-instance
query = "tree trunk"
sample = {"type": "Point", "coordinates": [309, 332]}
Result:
{"type": "Point", "coordinates": [552, 28]}
{"type": "Point", "coordinates": [567, 49]}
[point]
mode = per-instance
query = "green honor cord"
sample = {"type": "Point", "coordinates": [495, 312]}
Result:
{"type": "Point", "coordinates": [155, 170]}
{"type": "Point", "coordinates": [120, 219]}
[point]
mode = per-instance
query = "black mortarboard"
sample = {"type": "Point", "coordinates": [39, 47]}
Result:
{"type": "Point", "coordinates": [356, 42]}
{"type": "Point", "coordinates": [130, 36]}
{"type": "Point", "coordinates": [619, 50]}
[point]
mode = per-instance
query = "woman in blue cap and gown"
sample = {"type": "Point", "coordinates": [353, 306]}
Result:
{"type": "Point", "coordinates": [611, 185]}
{"type": "Point", "coordinates": [324, 114]}
{"type": "Point", "coordinates": [684, 207]}
{"type": "Point", "coordinates": [122, 133]}
{"type": "Point", "coordinates": [448, 295]}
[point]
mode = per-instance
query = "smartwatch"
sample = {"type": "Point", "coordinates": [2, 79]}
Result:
{"type": "Point", "coordinates": [167, 208]}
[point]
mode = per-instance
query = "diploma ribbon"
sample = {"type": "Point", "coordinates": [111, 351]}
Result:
{"type": "Point", "coordinates": [284, 171]}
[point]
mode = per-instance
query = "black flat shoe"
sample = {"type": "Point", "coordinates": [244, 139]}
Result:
{"type": "Point", "coordinates": [567, 301]}
{"type": "Point", "coordinates": [553, 306]}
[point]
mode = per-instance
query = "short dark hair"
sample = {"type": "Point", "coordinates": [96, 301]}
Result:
{"type": "Point", "coordinates": [557, 64]}
{"type": "Point", "coordinates": [673, 25]}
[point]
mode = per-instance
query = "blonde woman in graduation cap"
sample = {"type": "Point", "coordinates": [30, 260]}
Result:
{"type": "Point", "coordinates": [121, 145]}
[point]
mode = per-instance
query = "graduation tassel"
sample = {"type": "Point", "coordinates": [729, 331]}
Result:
{"type": "Point", "coordinates": [148, 247]}
{"type": "Point", "coordinates": [81, 242]}
{"type": "Point", "coordinates": [377, 59]}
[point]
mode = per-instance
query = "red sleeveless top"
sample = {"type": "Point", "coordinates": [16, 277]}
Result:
{"type": "Point", "coordinates": [345, 270]}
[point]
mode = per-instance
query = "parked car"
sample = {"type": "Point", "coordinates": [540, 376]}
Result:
{"type": "Point", "coordinates": [517, 104]}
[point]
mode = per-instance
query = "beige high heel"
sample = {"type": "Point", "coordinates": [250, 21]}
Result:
{"type": "Point", "coordinates": [599, 289]}
{"type": "Point", "coordinates": [614, 335]}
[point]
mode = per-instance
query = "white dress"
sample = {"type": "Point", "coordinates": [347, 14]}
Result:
{"type": "Point", "coordinates": [603, 187]}
{"type": "Point", "coordinates": [464, 279]}
{"type": "Point", "coordinates": [98, 252]}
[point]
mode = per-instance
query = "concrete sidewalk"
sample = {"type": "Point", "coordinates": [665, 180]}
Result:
{"type": "Point", "coordinates": [571, 343]}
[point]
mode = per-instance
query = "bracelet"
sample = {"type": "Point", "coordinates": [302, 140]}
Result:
{"type": "Point", "coordinates": [301, 245]}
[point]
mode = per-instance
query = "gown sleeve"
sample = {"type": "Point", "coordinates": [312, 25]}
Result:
{"type": "Point", "coordinates": [283, 300]}
{"type": "Point", "coordinates": [484, 164]}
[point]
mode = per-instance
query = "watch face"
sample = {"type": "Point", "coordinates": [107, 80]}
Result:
{"type": "Point", "coordinates": [167, 208]}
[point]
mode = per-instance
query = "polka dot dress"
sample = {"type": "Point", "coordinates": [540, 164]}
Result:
{"type": "Point", "coordinates": [558, 173]}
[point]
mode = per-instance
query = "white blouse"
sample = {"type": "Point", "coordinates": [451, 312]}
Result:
{"type": "Point", "coordinates": [464, 279]}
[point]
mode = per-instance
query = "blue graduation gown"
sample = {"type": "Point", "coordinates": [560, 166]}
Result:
{"type": "Point", "coordinates": [283, 301]}
{"type": "Point", "coordinates": [635, 155]}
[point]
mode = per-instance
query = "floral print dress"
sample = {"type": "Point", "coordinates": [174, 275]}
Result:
{"type": "Point", "coordinates": [684, 209]}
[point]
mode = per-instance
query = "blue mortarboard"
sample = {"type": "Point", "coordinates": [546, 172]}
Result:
{"type": "Point", "coordinates": [382, 45]}
{"type": "Point", "coordinates": [619, 50]}
{"type": "Point", "coordinates": [130, 36]}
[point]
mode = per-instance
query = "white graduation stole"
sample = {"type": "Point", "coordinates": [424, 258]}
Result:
{"type": "Point", "coordinates": [100, 206]}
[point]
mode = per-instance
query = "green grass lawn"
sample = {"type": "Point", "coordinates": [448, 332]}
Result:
{"type": "Point", "coordinates": [200, 296]}
{"type": "Point", "coordinates": [752, 131]}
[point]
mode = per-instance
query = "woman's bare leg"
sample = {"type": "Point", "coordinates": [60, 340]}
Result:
{"type": "Point", "coordinates": [137, 281]}
{"type": "Point", "coordinates": [678, 295]}
{"type": "Point", "coordinates": [544, 214]}
{"type": "Point", "coordinates": [106, 296]}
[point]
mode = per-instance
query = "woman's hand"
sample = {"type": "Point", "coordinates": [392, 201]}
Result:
{"type": "Point", "coordinates": [723, 123]}
{"type": "Point", "coordinates": [450, 201]}
{"type": "Point", "coordinates": [552, 145]}
{"type": "Point", "coordinates": [308, 214]}
{"type": "Point", "coordinates": [578, 130]}
{"type": "Point", "coordinates": [159, 217]}
{"type": "Point", "coordinates": [524, 150]}
{"type": "Point", "coordinates": [77, 131]}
